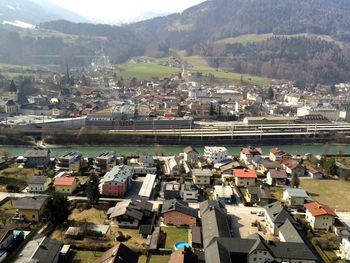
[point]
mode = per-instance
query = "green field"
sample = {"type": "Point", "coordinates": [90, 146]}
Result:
{"type": "Point", "coordinates": [159, 259]}
{"type": "Point", "coordinates": [243, 39]}
{"type": "Point", "coordinates": [174, 235]}
{"type": "Point", "coordinates": [145, 70]}
{"type": "Point", "coordinates": [199, 64]}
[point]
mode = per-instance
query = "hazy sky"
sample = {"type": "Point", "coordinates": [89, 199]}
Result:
{"type": "Point", "coordinates": [124, 10]}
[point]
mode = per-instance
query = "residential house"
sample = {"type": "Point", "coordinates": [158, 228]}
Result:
{"type": "Point", "coordinates": [116, 181]}
{"type": "Point", "coordinates": [190, 155]}
{"type": "Point", "coordinates": [319, 216]}
{"type": "Point", "coordinates": [215, 154]}
{"type": "Point", "coordinates": [171, 190]}
{"type": "Point", "coordinates": [40, 249]}
{"type": "Point", "coordinates": [71, 161]}
{"type": "Point", "coordinates": [130, 213]}
{"type": "Point", "coordinates": [143, 165]}
{"type": "Point", "coordinates": [201, 177]}
{"type": "Point", "coordinates": [38, 184]}
{"type": "Point", "coordinates": [259, 195]}
{"type": "Point", "coordinates": [295, 197]}
{"type": "Point", "coordinates": [244, 177]}
{"type": "Point", "coordinates": [288, 232]}
{"type": "Point", "coordinates": [276, 177]}
{"type": "Point", "coordinates": [266, 166]}
{"type": "Point", "coordinates": [276, 154]}
{"type": "Point", "coordinates": [183, 255]}
{"type": "Point", "coordinates": [105, 161]}
{"type": "Point", "coordinates": [293, 167]}
{"type": "Point", "coordinates": [66, 184]}
{"type": "Point", "coordinates": [189, 192]}
{"type": "Point", "coordinates": [37, 157]}
{"type": "Point", "coordinates": [147, 186]}
{"type": "Point", "coordinates": [146, 159]}
{"type": "Point", "coordinates": [344, 248]}
{"type": "Point", "coordinates": [30, 208]}
{"type": "Point", "coordinates": [223, 194]}
{"type": "Point", "coordinates": [119, 254]}
{"type": "Point", "coordinates": [251, 154]}
{"type": "Point", "coordinates": [178, 213]}
{"type": "Point", "coordinates": [275, 216]}
{"type": "Point", "coordinates": [175, 167]}
{"type": "Point", "coordinates": [314, 173]}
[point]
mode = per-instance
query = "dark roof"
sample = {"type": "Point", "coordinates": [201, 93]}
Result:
{"type": "Point", "coordinates": [179, 206]}
{"type": "Point", "coordinates": [47, 250]}
{"type": "Point", "coordinates": [290, 233]}
{"type": "Point", "coordinates": [146, 229]}
{"type": "Point", "coordinates": [196, 235]}
{"type": "Point", "coordinates": [34, 203]}
{"type": "Point", "coordinates": [12, 87]}
{"type": "Point", "coordinates": [36, 152]}
{"type": "Point", "coordinates": [37, 179]}
{"type": "Point", "coordinates": [205, 206]}
{"type": "Point", "coordinates": [291, 250]}
{"type": "Point", "coordinates": [119, 254]}
{"type": "Point", "coordinates": [183, 255]}
{"type": "Point", "coordinates": [278, 213]}
{"type": "Point", "coordinates": [261, 192]}
{"type": "Point", "coordinates": [4, 232]}
{"type": "Point", "coordinates": [141, 205]}
{"type": "Point", "coordinates": [10, 103]}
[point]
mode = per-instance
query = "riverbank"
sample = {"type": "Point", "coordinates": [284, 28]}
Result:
{"type": "Point", "coordinates": [91, 151]}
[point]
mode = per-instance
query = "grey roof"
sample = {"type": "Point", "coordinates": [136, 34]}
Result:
{"type": "Point", "coordinates": [37, 179]}
{"type": "Point", "coordinates": [278, 173]}
{"type": "Point", "coordinates": [141, 205]}
{"type": "Point", "coordinates": [123, 208]}
{"type": "Point", "coordinates": [297, 192]}
{"type": "Point", "coordinates": [179, 206]}
{"type": "Point", "coordinates": [36, 152]}
{"type": "Point", "coordinates": [118, 174]}
{"type": "Point", "coordinates": [202, 172]}
{"type": "Point", "coordinates": [290, 233]}
{"type": "Point", "coordinates": [278, 213]}
{"type": "Point", "coordinates": [35, 202]}
{"type": "Point", "coordinates": [206, 205]}
{"type": "Point", "coordinates": [291, 250]}
{"type": "Point", "coordinates": [261, 192]}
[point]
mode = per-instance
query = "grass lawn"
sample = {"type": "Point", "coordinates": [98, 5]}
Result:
{"type": "Point", "coordinates": [249, 38]}
{"type": "Point", "coordinates": [174, 235]}
{"type": "Point", "coordinates": [91, 215]}
{"type": "Point", "coordinates": [84, 256]}
{"type": "Point", "coordinates": [334, 193]}
{"type": "Point", "coordinates": [277, 192]}
{"type": "Point", "coordinates": [199, 64]}
{"type": "Point", "coordinates": [142, 259]}
{"type": "Point", "coordinates": [244, 192]}
{"type": "Point", "coordinates": [159, 258]}
{"type": "Point", "coordinates": [145, 70]}
{"type": "Point", "coordinates": [17, 176]}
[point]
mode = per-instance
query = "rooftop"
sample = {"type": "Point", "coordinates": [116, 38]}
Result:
{"type": "Point", "coordinates": [244, 173]}
{"type": "Point", "coordinates": [318, 209]}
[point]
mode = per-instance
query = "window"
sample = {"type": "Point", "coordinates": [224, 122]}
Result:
{"type": "Point", "coordinates": [33, 216]}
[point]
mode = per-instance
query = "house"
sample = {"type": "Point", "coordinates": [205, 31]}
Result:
{"type": "Point", "coordinates": [275, 216]}
{"type": "Point", "coordinates": [215, 154]}
{"type": "Point", "coordinates": [40, 249]}
{"type": "Point", "coordinates": [147, 186]}
{"type": "Point", "coordinates": [244, 177]}
{"type": "Point", "coordinates": [116, 181]}
{"type": "Point", "coordinates": [259, 195]}
{"type": "Point", "coordinates": [344, 248]}
{"type": "Point", "coordinates": [319, 216]}
{"type": "Point", "coordinates": [38, 184]}
{"type": "Point", "coordinates": [146, 159]}
{"type": "Point", "coordinates": [223, 194]}
{"type": "Point", "coordinates": [201, 177]}
{"type": "Point", "coordinates": [295, 197]}
{"type": "Point", "coordinates": [105, 161]}
{"type": "Point", "coordinates": [288, 232]}
{"type": "Point", "coordinates": [143, 165]}
{"type": "Point", "coordinates": [119, 254]}
{"type": "Point", "coordinates": [71, 161]}
{"type": "Point", "coordinates": [183, 255]}
{"type": "Point", "coordinates": [37, 157]}
{"type": "Point", "coordinates": [189, 192]}
{"type": "Point", "coordinates": [314, 173]}
{"type": "Point", "coordinates": [264, 166]}
{"type": "Point", "coordinates": [175, 167]}
{"type": "Point", "coordinates": [65, 184]}
{"type": "Point", "coordinates": [171, 190]}
{"type": "Point", "coordinates": [130, 213]}
{"type": "Point", "coordinates": [190, 155]}
{"type": "Point", "coordinates": [251, 154]}
{"type": "Point", "coordinates": [276, 154]}
{"type": "Point", "coordinates": [293, 167]}
{"type": "Point", "coordinates": [276, 177]}
{"type": "Point", "coordinates": [11, 107]}
{"type": "Point", "coordinates": [30, 208]}
{"type": "Point", "coordinates": [178, 213]}
{"type": "Point", "coordinates": [146, 231]}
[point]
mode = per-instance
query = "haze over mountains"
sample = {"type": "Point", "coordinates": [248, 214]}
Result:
{"type": "Point", "coordinates": [306, 40]}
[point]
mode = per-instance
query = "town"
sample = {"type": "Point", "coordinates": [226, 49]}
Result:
{"type": "Point", "coordinates": [213, 206]}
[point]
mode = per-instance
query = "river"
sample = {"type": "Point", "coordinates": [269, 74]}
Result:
{"type": "Point", "coordinates": [91, 151]}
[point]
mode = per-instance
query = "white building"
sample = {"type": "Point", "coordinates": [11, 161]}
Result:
{"type": "Point", "coordinates": [295, 196]}
{"type": "Point", "coordinates": [319, 216]}
{"type": "Point", "coordinates": [215, 154]}
{"type": "Point", "coordinates": [147, 186]}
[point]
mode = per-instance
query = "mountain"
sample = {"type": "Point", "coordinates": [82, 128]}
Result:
{"type": "Point", "coordinates": [34, 12]}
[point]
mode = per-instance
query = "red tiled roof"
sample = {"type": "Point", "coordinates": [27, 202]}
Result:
{"type": "Point", "coordinates": [276, 150]}
{"type": "Point", "coordinates": [318, 209]}
{"type": "Point", "coordinates": [64, 180]}
{"type": "Point", "coordinates": [277, 173]}
{"type": "Point", "coordinates": [244, 173]}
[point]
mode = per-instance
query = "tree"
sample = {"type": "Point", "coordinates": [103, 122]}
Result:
{"type": "Point", "coordinates": [270, 93]}
{"type": "Point", "coordinates": [92, 190]}
{"type": "Point", "coordinates": [328, 165]}
{"type": "Point", "coordinates": [211, 110]}
{"type": "Point", "coordinates": [56, 208]}
{"type": "Point", "coordinates": [295, 181]}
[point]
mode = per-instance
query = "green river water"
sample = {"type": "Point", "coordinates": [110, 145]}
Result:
{"type": "Point", "coordinates": [91, 151]}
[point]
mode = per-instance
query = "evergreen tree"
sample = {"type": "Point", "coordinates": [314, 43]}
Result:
{"type": "Point", "coordinates": [270, 93]}
{"type": "Point", "coordinates": [295, 181]}
{"type": "Point", "coordinates": [56, 208]}
{"type": "Point", "coordinates": [92, 190]}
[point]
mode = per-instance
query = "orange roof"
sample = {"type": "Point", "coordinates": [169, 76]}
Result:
{"type": "Point", "coordinates": [318, 209]}
{"type": "Point", "coordinates": [64, 180]}
{"type": "Point", "coordinates": [244, 173]}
